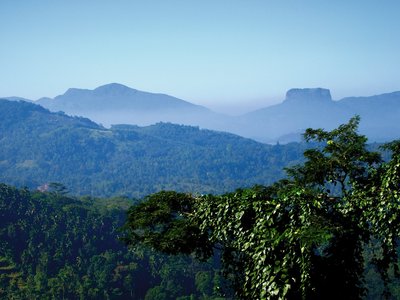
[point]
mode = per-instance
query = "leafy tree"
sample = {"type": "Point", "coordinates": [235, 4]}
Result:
{"type": "Point", "coordinates": [156, 293]}
{"type": "Point", "coordinates": [204, 283]}
{"type": "Point", "coordinates": [302, 237]}
{"type": "Point", "coordinates": [161, 222]}
{"type": "Point", "coordinates": [57, 188]}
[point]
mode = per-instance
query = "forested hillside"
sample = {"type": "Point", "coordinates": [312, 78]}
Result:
{"type": "Point", "coordinates": [39, 147]}
{"type": "Point", "coordinates": [57, 247]}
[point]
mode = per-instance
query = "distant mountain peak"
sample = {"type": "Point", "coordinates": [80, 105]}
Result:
{"type": "Point", "coordinates": [308, 95]}
{"type": "Point", "coordinates": [113, 88]}
{"type": "Point", "coordinates": [74, 91]}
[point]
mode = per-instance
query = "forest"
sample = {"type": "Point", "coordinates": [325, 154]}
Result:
{"type": "Point", "coordinates": [328, 230]}
{"type": "Point", "coordinates": [53, 246]}
{"type": "Point", "coordinates": [39, 147]}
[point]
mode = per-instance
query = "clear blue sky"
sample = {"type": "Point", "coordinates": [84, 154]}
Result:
{"type": "Point", "coordinates": [234, 54]}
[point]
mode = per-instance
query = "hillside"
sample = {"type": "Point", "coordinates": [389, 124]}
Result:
{"type": "Point", "coordinates": [58, 247]}
{"type": "Point", "coordinates": [302, 108]}
{"type": "Point", "coordinates": [380, 114]}
{"type": "Point", "coordinates": [39, 147]}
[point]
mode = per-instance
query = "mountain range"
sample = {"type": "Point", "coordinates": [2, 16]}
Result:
{"type": "Point", "coordinates": [305, 108]}
{"type": "Point", "coordinates": [118, 104]}
{"type": "Point", "coordinates": [284, 122]}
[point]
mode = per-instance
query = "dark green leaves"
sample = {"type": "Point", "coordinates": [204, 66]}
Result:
{"type": "Point", "coordinates": [302, 237]}
{"type": "Point", "coordinates": [161, 222]}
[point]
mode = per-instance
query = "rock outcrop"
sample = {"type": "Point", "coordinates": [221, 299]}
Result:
{"type": "Point", "coordinates": [308, 95]}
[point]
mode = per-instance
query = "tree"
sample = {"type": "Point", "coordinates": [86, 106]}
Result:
{"type": "Point", "coordinates": [162, 222]}
{"type": "Point", "coordinates": [57, 188]}
{"type": "Point", "coordinates": [302, 237]}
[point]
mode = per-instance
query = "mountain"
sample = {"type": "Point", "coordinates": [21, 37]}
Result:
{"type": "Point", "coordinates": [314, 107]}
{"type": "Point", "coordinates": [39, 147]}
{"type": "Point", "coordinates": [302, 108]}
{"type": "Point", "coordinates": [118, 104]}
{"type": "Point", "coordinates": [114, 96]}
{"type": "Point", "coordinates": [380, 114]}
{"type": "Point", "coordinates": [16, 99]}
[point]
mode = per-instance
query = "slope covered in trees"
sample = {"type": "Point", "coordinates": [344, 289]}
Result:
{"type": "Point", "coordinates": [57, 247]}
{"type": "Point", "coordinates": [39, 147]}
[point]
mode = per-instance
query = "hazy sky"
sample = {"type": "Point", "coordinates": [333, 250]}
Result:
{"type": "Point", "coordinates": [234, 54]}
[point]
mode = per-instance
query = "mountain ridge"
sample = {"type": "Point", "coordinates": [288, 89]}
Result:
{"type": "Point", "coordinates": [118, 104]}
{"type": "Point", "coordinates": [302, 108]}
{"type": "Point", "coordinates": [120, 94]}
{"type": "Point", "coordinates": [378, 116]}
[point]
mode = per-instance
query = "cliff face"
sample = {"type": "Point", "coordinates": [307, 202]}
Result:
{"type": "Point", "coordinates": [308, 95]}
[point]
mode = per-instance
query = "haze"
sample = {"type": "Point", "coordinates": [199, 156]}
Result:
{"type": "Point", "coordinates": [231, 56]}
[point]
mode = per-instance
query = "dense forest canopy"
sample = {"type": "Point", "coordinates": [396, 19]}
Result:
{"type": "Point", "coordinates": [39, 147]}
{"type": "Point", "coordinates": [53, 246]}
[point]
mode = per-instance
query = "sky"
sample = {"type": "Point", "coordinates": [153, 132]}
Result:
{"type": "Point", "coordinates": [229, 55]}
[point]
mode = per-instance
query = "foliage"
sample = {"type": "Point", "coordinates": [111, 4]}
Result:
{"type": "Point", "coordinates": [57, 247]}
{"type": "Point", "coordinates": [160, 221]}
{"type": "Point", "coordinates": [305, 236]}
{"type": "Point", "coordinates": [39, 147]}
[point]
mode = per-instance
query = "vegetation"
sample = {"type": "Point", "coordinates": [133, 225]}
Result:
{"type": "Point", "coordinates": [329, 230]}
{"type": "Point", "coordinates": [39, 147]}
{"type": "Point", "coordinates": [316, 235]}
{"type": "Point", "coordinates": [56, 247]}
